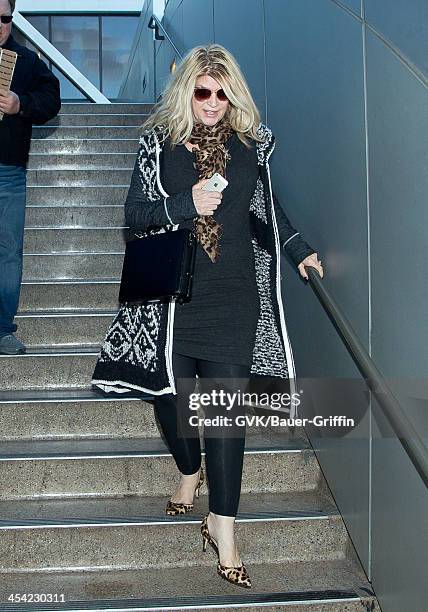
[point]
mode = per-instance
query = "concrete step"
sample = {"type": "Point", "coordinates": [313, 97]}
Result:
{"type": "Point", "coordinates": [85, 413]}
{"type": "Point", "coordinates": [72, 266]}
{"type": "Point", "coordinates": [75, 240]}
{"type": "Point", "coordinates": [309, 586]}
{"type": "Point", "coordinates": [64, 329]}
{"type": "Point", "coordinates": [81, 161]}
{"type": "Point", "coordinates": [71, 146]}
{"type": "Point", "coordinates": [137, 530]}
{"type": "Point", "coordinates": [44, 368]}
{"type": "Point", "coordinates": [94, 177]}
{"type": "Point", "coordinates": [74, 216]}
{"type": "Point", "coordinates": [76, 196]}
{"type": "Point", "coordinates": [97, 119]}
{"type": "Point", "coordinates": [70, 413]}
{"type": "Point", "coordinates": [115, 108]}
{"type": "Point", "coordinates": [130, 132]}
{"type": "Point", "coordinates": [97, 467]}
{"type": "Point", "coordinates": [77, 296]}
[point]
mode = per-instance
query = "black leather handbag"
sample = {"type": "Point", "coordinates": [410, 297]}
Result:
{"type": "Point", "coordinates": [158, 267]}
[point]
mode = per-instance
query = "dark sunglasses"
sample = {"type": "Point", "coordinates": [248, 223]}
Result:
{"type": "Point", "coordinates": [203, 93]}
{"type": "Point", "coordinates": [6, 18]}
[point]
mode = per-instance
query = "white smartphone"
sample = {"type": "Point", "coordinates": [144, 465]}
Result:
{"type": "Point", "coordinates": [216, 183]}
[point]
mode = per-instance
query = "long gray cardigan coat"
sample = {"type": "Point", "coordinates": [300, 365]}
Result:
{"type": "Point", "coordinates": [137, 351]}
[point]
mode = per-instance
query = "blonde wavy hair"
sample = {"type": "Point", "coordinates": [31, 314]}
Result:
{"type": "Point", "coordinates": [173, 113]}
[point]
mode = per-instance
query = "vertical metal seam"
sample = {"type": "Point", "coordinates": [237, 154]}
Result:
{"type": "Point", "coordinates": [100, 50]}
{"type": "Point", "coordinates": [265, 60]}
{"type": "Point", "coordinates": [50, 36]}
{"type": "Point", "coordinates": [369, 296]}
{"type": "Point", "coordinates": [213, 12]}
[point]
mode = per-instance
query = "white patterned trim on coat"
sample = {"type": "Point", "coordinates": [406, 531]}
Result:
{"type": "Point", "coordinates": [147, 166]}
{"type": "Point", "coordinates": [257, 202]}
{"type": "Point", "coordinates": [268, 354]}
{"type": "Point", "coordinates": [133, 337]}
{"type": "Point", "coordinates": [262, 147]}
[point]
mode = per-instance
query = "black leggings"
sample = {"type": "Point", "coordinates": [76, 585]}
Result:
{"type": "Point", "coordinates": [224, 445]}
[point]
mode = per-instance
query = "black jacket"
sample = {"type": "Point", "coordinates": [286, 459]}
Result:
{"type": "Point", "coordinates": [39, 94]}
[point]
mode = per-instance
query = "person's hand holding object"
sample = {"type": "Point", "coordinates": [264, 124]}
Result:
{"type": "Point", "coordinates": [9, 103]}
{"type": "Point", "coordinates": [205, 202]}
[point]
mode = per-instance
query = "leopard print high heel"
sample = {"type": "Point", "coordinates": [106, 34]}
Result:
{"type": "Point", "coordinates": [174, 508]}
{"type": "Point", "coordinates": [235, 575]}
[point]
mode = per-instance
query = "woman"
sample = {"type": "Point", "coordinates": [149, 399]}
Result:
{"type": "Point", "coordinates": [233, 327]}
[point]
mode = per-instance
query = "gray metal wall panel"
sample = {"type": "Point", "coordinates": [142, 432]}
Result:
{"type": "Point", "coordinates": [172, 6]}
{"type": "Point", "coordinates": [316, 109]}
{"type": "Point", "coordinates": [399, 525]}
{"type": "Point", "coordinates": [164, 59]}
{"type": "Point", "coordinates": [173, 24]}
{"type": "Point", "coordinates": [354, 5]}
{"type": "Point", "coordinates": [198, 27]}
{"type": "Point", "coordinates": [405, 24]}
{"type": "Point", "coordinates": [238, 25]}
{"type": "Point", "coordinates": [317, 113]}
{"type": "Point", "coordinates": [398, 153]}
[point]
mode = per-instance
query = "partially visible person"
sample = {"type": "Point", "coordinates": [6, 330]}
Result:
{"type": "Point", "coordinates": [34, 98]}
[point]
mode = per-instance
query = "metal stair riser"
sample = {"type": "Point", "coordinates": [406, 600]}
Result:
{"type": "Point", "coordinates": [80, 178]}
{"type": "Point", "coordinates": [131, 132]}
{"type": "Point", "coordinates": [359, 605]}
{"type": "Point", "coordinates": [97, 119]}
{"type": "Point", "coordinates": [167, 545]}
{"type": "Point", "coordinates": [75, 216]}
{"type": "Point", "coordinates": [125, 108]}
{"type": "Point", "coordinates": [338, 605]}
{"type": "Point", "coordinates": [300, 585]}
{"type": "Point", "coordinates": [50, 241]}
{"type": "Point", "coordinates": [44, 420]}
{"type": "Point", "coordinates": [146, 476]}
{"type": "Point", "coordinates": [80, 161]}
{"type": "Point", "coordinates": [83, 147]}
{"type": "Point", "coordinates": [89, 266]}
{"type": "Point", "coordinates": [72, 371]}
{"type": "Point", "coordinates": [77, 196]}
{"type": "Point", "coordinates": [44, 297]}
{"type": "Point", "coordinates": [63, 330]}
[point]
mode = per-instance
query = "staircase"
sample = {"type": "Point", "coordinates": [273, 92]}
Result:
{"type": "Point", "coordinates": [84, 478]}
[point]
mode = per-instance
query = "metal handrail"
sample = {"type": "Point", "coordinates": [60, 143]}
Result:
{"type": "Point", "coordinates": [156, 25]}
{"type": "Point", "coordinates": [391, 408]}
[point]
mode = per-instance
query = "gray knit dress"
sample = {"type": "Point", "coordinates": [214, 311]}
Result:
{"type": "Point", "coordinates": [219, 322]}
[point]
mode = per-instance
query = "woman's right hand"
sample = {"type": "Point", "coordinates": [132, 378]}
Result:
{"type": "Point", "coordinates": [206, 202]}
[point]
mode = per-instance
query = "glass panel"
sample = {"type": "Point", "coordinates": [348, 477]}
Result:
{"type": "Point", "coordinates": [68, 90]}
{"type": "Point", "coordinates": [77, 38]}
{"type": "Point", "coordinates": [22, 40]}
{"type": "Point", "coordinates": [117, 38]}
{"type": "Point", "coordinates": [40, 22]}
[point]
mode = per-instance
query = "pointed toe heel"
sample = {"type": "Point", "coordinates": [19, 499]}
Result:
{"type": "Point", "coordinates": [236, 575]}
{"type": "Point", "coordinates": [174, 508]}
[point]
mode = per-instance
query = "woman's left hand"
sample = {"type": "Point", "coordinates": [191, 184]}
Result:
{"type": "Point", "coordinates": [310, 260]}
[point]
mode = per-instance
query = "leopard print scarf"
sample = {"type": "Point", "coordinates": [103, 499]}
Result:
{"type": "Point", "coordinates": [210, 157]}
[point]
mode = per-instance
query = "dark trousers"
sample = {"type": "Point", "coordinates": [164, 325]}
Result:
{"type": "Point", "coordinates": [12, 219]}
{"type": "Point", "coordinates": [224, 445]}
